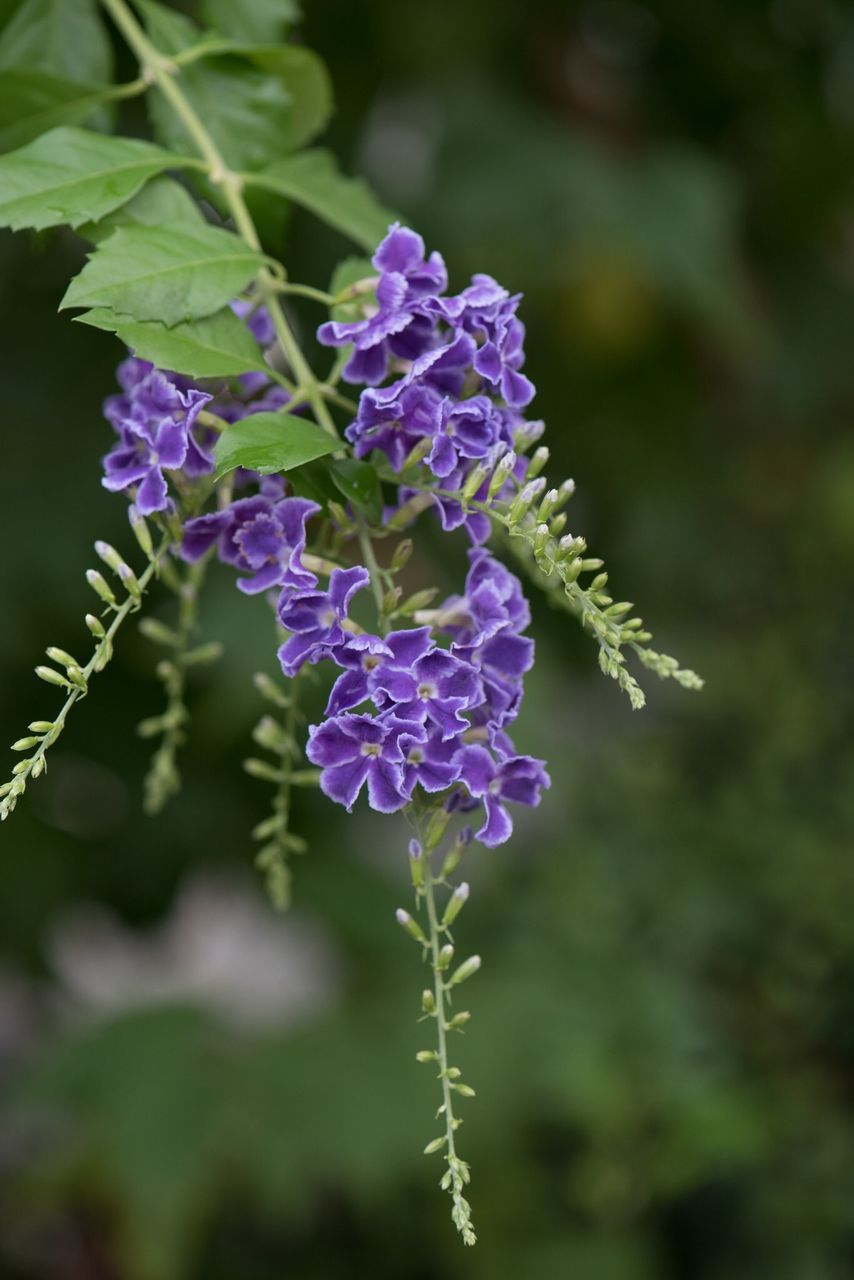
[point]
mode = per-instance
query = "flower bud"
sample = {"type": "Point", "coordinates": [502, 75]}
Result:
{"type": "Point", "coordinates": [156, 631]}
{"type": "Point", "coordinates": [457, 901]}
{"type": "Point", "coordinates": [454, 856]}
{"type": "Point", "coordinates": [412, 927]}
{"type": "Point", "coordinates": [557, 524]}
{"type": "Point", "coordinates": [541, 538]}
{"type": "Point", "coordinates": [129, 581]}
{"type": "Point", "coordinates": [501, 473]}
{"type": "Point", "coordinates": [465, 970]}
{"type": "Point", "coordinates": [436, 828]}
{"type": "Point", "coordinates": [418, 453]}
{"type": "Point", "coordinates": [426, 1055]}
{"type": "Point", "coordinates": [446, 955]}
{"type": "Point", "coordinates": [99, 585]}
{"type": "Point", "coordinates": [40, 726]}
{"type": "Point", "coordinates": [465, 1090]}
{"type": "Point", "coordinates": [24, 744]}
{"type": "Point", "coordinates": [141, 532]}
{"type": "Point", "coordinates": [59, 655]}
{"type": "Point", "coordinates": [109, 555]}
{"type": "Point", "coordinates": [402, 554]}
{"type": "Point", "coordinates": [436, 1145]}
{"type": "Point", "coordinates": [475, 479]}
{"type": "Point", "coordinates": [416, 864]}
{"type": "Point", "coordinates": [52, 676]}
{"type": "Point", "coordinates": [538, 460]}
{"type": "Point", "coordinates": [95, 625]}
{"type": "Point", "coordinates": [428, 1001]}
{"type": "Point", "coordinates": [268, 689]}
{"type": "Point", "coordinates": [548, 505]}
{"type": "Point", "coordinates": [458, 1021]}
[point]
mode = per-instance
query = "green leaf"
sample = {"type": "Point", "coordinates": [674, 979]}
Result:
{"type": "Point", "coordinates": [255, 112]}
{"type": "Point", "coordinates": [269, 442]}
{"type": "Point", "coordinates": [34, 101]}
{"type": "Point", "coordinates": [312, 180]}
{"type": "Point", "coordinates": [62, 37]}
{"type": "Point", "coordinates": [72, 176]}
{"type": "Point", "coordinates": [164, 273]}
{"type": "Point", "coordinates": [220, 346]}
{"type": "Point", "coordinates": [162, 203]}
{"type": "Point", "coordinates": [360, 485]}
{"type": "Point", "coordinates": [251, 20]}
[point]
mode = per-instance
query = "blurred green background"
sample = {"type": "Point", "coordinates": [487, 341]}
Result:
{"type": "Point", "coordinates": [662, 1038]}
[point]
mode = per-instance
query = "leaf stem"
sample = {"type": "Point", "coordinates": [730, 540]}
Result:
{"type": "Point", "coordinates": [164, 72]}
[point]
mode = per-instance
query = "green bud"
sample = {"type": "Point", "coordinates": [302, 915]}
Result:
{"type": "Point", "coordinates": [452, 1073]}
{"type": "Point", "coordinates": [458, 1021]}
{"type": "Point", "coordinates": [541, 538]}
{"type": "Point", "coordinates": [270, 690]}
{"type": "Point", "coordinates": [61, 656]}
{"type": "Point", "coordinates": [618, 610]}
{"type": "Point", "coordinates": [261, 769]}
{"type": "Point", "coordinates": [40, 726]}
{"type": "Point", "coordinates": [457, 901]}
{"type": "Point", "coordinates": [402, 554]}
{"type": "Point", "coordinates": [109, 555]}
{"type": "Point", "coordinates": [436, 1145]}
{"type": "Point", "coordinates": [548, 505]}
{"type": "Point", "coordinates": [418, 600]}
{"type": "Point", "coordinates": [426, 1055]}
{"type": "Point", "coordinates": [52, 676]}
{"type": "Point", "coordinates": [557, 524]}
{"type": "Point", "coordinates": [428, 1001]}
{"type": "Point", "coordinates": [436, 827]}
{"type": "Point", "coordinates": [539, 458]}
{"type": "Point", "coordinates": [418, 453]}
{"type": "Point", "coordinates": [95, 625]}
{"type": "Point", "coordinates": [473, 482]}
{"type": "Point", "coordinates": [142, 534]}
{"type": "Point", "coordinates": [129, 581]}
{"type": "Point", "coordinates": [465, 1090]}
{"type": "Point", "coordinates": [204, 654]}
{"type": "Point", "coordinates": [454, 856]}
{"type": "Point", "coordinates": [391, 600]}
{"type": "Point", "coordinates": [24, 744]}
{"type": "Point", "coordinates": [156, 631]}
{"type": "Point", "coordinates": [412, 927]}
{"type": "Point", "coordinates": [21, 767]}
{"type": "Point", "coordinates": [99, 585]}
{"type": "Point", "coordinates": [465, 970]}
{"type": "Point", "coordinates": [501, 473]}
{"type": "Point", "coordinates": [446, 955]}
{"type": "Point", "coordinates": [416, 864]}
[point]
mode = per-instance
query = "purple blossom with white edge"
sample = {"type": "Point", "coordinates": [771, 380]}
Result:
{"type": "Point", "coordinates": [518, 779]}
{"type": "Point", "coordinates": [154, 421]}
{"type": "Point", "coordinates": [262, 536]}
{"type": "Point", "coordinates": [317, 618]}
{"type": "Point", "coordinates": [352, 750]}
{"type": "Point", "coordinates": [400, 325]}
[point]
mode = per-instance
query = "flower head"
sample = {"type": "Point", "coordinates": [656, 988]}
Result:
{"type": "Point", "coordinates": [352, 750]}
{"type": "Point", "coordinates": [317, 618]}
{"type": "Point", "coordinates": [519, 779]}
{"type": "Point", "coordinates": [262, 536]}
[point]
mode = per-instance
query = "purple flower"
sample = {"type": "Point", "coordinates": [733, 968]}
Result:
{"type": "Point", "coordinates": [428, 761]}
{"type": "Point", "coordinates": [518, 779]}
{"type": "Point", "coordinates": [425, 684]}
{"type": "Point", "coordinates": [502, 355]}
{"type": "Point", "coordinates": [154, 421]}
{"type": "Point", "coordinates": [262, 536]}
{"type": "Point", "coordinates": [394, 419]}
{"type": "Point", "coordinates": [352, 750]}
{"type": "Point", "coordinates": [399, 325]}
{"type": "Point", "coordinates": [316, 618]}
{"type": "Point", "coordinates": [493, 601]}
{"type": "Point", "coordinates": [467, 430]}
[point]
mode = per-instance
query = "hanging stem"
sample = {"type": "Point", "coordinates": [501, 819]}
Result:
{"type": "Point", "coordinates": [164, 72]}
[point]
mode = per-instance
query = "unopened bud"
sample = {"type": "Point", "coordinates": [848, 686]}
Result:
{"type": "Point", "coordinates": [436, 1145]}
{"type": "Point", "coordinates": [418, 452]}
{"type": "Point", "coordinates": [538, 460]}
{"type": "Point", "coordinates": [402, 553]}
{"type": "Point", "coordinates": [129, 581]}
{"type": "Point", "coordinates": [457, 901]}
{"type": "Point", "coordinates": [446, 955]}
{"type": "Point", "coordinates": [475, 479]}
{"type": "Point", "coordinates": [426, 1055]}
{"type": "Point", "coordinates": [454, 856]}
{"type": "Point", "coordinates": [141, 532]}
{"type": "Point", "coordinates": [60, 656]}
{"type": "Point", "coordinates": [541, 538]}
{"type": "Point", "coordinates": [548, 505]}
{"type": "Point", "coordinates": [501, 473]}
{"type": "Point", "coordinates": [436, 827]}
{"type": "Point", "coordinates": [412, 927]}
{"type": "Point", "coordinates": [416, 864]}
{"type": "Point", "coordinates": [557, 524]}
{"type": "Point", "coordinates": [95, 625]}
{"type": "Point", "coordinates": [428, 1001]}
{"type": "Point", "coordinates": [109, 555]}
{"type": "Point", "coordinates": [99, 584]}
{"type": "Point", "coordinates": [51, 676]}
{"type": "Point", "coordinates": [458, 1021]}
{"type": "Point", "coordinates": [40, 726]}
{"type": "Point", "coordinates": [24, 744]}
{"type": "Point", "coordinates": [466, 969]}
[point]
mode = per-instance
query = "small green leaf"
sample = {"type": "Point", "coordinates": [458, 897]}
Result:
{"type": "Point", "coordinates": [33, 101]}
{"type": "Point", "coordinates": [306, 81]}
{"type": "Point", "coordinates": [251, 20]}
{"type": "Point", "coordinates": [161, 203]}
{"type": "Point", "coordinates": [312, 180]}
{"type": "Point", "coordinates": [360, 485]}
{"type": "Point", "coordinates": [73, 176]}
{"type": "Point", "coordinates": [62, 37]}
{"type": "Point", "coordinates": [164, 273]}
{"type": "Point", "coordinates": [269, 442]}
{"type": "Point", "coordinates": [220, 346]}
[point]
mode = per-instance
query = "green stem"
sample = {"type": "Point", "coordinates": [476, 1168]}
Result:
{"type": "Point", "coordinates": [375, 572]}
{"type": "Point", "coordinates": [456, 1167]}
{"type": "Point", "coordinates": [164, 72]}
{"type": "Point", "coordinates": [163, 779]}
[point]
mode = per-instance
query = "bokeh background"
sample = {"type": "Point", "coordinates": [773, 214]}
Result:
{"type": "Point", "coordinates": [662, 1039]}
